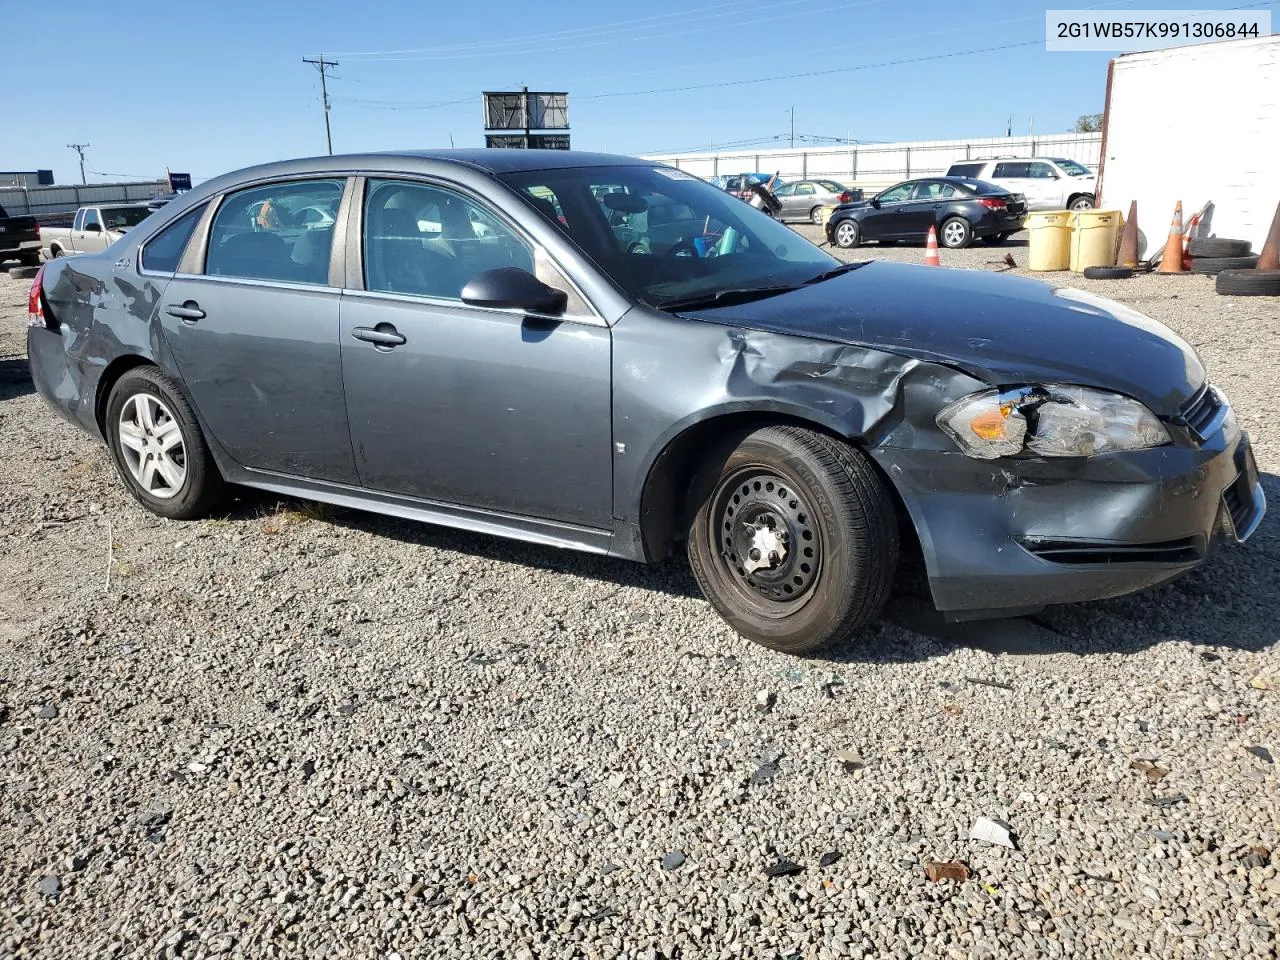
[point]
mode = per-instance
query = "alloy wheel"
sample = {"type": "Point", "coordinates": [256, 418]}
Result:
{"type": "Point", "coordinates": [816, 216]}
{"type": "Point", "coordinates": [152, 446]}
{"type": "Point", "coordinates": [953, 233]}
{"type": "Point", "coordinates": [845, 234]}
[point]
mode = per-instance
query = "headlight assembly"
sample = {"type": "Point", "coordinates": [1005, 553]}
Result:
{"type": "Point", "coordinates": [1052, 420]}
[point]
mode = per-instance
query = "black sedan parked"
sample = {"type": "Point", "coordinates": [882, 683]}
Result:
{"type": "Point", "coordinates": [957, 207]}
{"type": "Point", "coordinates": [515, 342]}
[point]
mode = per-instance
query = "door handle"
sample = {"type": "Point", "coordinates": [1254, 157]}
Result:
{"type": "Point", "coordinates": [383, 335]}
{"type": "Point", "coordinates": [188, 312]}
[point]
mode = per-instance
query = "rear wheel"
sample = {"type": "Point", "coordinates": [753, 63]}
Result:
{"type": "Point", "coordinates": [158, 448]}
{"type": "Point", "coordinates": [956, 233]}
{"type": "Point", "coordinates": [815, 216]}
{"type": "Point", "coordinates": [847, 234]}
{"type": "Point", "coordinates": [995, 239]}
{"type": "Point", "coordinates": [797, 544]}
{"type": "Point", "coordinates": [31, 259]}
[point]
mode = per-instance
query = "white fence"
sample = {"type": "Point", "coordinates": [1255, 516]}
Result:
{"type": "Point", "coordinates": [880, 164]}
{"type": "Point", "coordinates": [52, 200]}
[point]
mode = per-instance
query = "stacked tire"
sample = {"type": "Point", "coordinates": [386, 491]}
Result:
{"type": "Point", "coordinates": [1212, 255]}
{"type": "Point", "coordinates": [1235, 267]}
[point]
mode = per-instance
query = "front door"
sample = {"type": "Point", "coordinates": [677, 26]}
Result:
{"type": "Point", "coordinates": [255, 337]}
{"type": "Point", "coordinates": [886, 220]}
{"type": "Point", "coordinates": [470, 406]}
{"type": "Point", "coordinates": [90, 236]}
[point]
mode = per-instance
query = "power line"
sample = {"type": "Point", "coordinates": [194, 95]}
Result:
{"type": "Point", "coordinates": [323, 66]}
{"type": "Point", "coordinates": [556, 43]}
{"type": "Point", "coordinates": [637, 23]}
{"type": "Point", "coordinates": [80, 149]}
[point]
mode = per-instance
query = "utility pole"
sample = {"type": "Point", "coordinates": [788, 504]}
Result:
{"type": "Point", "coordinates": [793, 125]}
{"type": "Point", "coordinates": [80, 148]}
{"type": "Point", "coordinates": [323, 66]}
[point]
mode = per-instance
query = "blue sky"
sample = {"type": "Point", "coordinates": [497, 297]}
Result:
{"type": "Point", "coordinates": [154, 84]}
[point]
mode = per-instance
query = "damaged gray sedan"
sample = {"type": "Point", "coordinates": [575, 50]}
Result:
{"type": "Point", "coordinates": [610, 355]}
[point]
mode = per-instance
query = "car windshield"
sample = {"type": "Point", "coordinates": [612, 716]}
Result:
{"type": "Point", "coordinates": [1073, 168]}
{"type": "Point", "coordinates": [116, 218]}
{"type": "Point", "coordinates": [663, 235]}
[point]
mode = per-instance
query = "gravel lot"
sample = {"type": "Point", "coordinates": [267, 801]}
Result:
{"type": "Point", "coordinates": [292, 731]}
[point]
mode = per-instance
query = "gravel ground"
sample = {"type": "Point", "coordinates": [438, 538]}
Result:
{"type": "Point", "coordinates": [292, 731]}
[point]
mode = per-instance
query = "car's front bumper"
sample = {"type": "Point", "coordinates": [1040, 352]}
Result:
{"type": "Point", "coordinates": [1012, 535]}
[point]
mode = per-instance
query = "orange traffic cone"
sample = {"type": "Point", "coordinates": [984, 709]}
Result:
{"type": "Point", "coordinates": [1269, 258]}
{"type": "Point", "coordinates": [1128, 256]}
{"type": "Point", "coordinates": [931, 250]}
{"type": "Point", "coordinates": [1172, 261]}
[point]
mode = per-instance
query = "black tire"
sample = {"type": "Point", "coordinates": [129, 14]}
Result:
{"type": "Point", "coordinates": [952, 237]}
{"type": "Point", "coordinates": [1083, 201]}
{"type": "Point", "coordinates": [55, 252]}
{"type": "Point", "coordinates": [840, 549]}
{"type": "Point", "coordinates": [815, 216]}
{"type": "Point", "coordinates": [1213, 265]}
{"type": "Point", "coordinates": [202, 488]}
{"type": "Point", "coordinates": [1248, 283]}
{"type": "Point", "coordinates": [1108, 273]}
{"type": "Point", "coordinates": [30, 259]}
{"type": "Point", "coordinates": [995, 239]}
{"type": "Point", "coordinates": [23, 273]}
{"type": "Point", "coordinates": [1219, 247]}
{"type": "Point", "coordinates": [847, 234]}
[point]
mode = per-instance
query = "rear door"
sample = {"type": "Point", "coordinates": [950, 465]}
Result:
{"type": "Point", "coordinates": [1015, 176]}
{"type": "Point", "coordinates": [927, 206]}
{"type": "Point", "coordinates": [251, 319]}
{"type": "Point", "coordinates": [469, 406]}
{"type": "Point", "coordinates": [1044, 190]}
{"type": "Point", "coordinates": [803, 199]}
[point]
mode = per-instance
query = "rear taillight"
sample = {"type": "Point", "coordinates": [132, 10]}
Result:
{"type": "Point", "coordinates": [845, 197]}
{"type": "Point", "coordinates": [35, 302]}
{"type": "Point", "coordinates": [992, 203]}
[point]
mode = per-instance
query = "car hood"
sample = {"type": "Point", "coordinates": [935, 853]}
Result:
{"type": "Point", "coordinates": [1004, 330]}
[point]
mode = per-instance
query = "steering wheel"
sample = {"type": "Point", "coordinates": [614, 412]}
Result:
{"type": "Point", "coordinates": [684, 243]}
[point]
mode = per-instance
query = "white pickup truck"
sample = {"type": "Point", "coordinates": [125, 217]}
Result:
{"type": "Point", "coordinates": [94, 229]}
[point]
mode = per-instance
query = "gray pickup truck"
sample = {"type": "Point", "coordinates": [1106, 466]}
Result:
{"type": "Point", "coordinates": [94, 229]}
{"type": "Point", "coordinates": [19, 239]}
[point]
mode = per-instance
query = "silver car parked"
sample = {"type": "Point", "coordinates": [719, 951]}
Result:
{"type": "Point", "coordinates": [806, 199]}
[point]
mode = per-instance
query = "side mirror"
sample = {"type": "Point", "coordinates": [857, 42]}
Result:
{"type": "Point", "coordinates": [512, 288]}
{"type": "Point", "coordinates": [875, 202]}
{"type": "Point", "coordinates": [93, 228]}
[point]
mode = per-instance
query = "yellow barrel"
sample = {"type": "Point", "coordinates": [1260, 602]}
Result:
{"type": "Point", "coordinates": [1093, 238]}
{"type": "Point", "coordinates": [1050, 240]}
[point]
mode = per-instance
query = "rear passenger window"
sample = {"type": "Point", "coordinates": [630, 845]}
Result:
{"type": "Point", "coordinates": [964, 170]}
{"type": "Point", "coordinates": [163, 252]}
{"type": "Point", "coordinates": [283, 231]}
{"type": "Point", "coordinates": [1011, 170]}
{"type": "Point", "coordinates": [427, 241]}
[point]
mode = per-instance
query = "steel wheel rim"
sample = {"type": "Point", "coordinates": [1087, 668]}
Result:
{"type": "Point", "coordinates": [953, 234]}
{"type": "Point", "coordinates": [766, 540]}
{"type": "Point", "coordinates": [844, 233]}
{"type": "Point", "coordinates": [152, 446]}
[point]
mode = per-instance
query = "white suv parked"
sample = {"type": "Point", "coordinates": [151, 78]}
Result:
{"type": "Point", "coordinates": [1048, 183]}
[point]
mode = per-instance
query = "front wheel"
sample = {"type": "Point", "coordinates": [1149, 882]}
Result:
{"type": "Point", "coordinates": [956, 233]}
{"type": "Point", "coordinates": [797, 544]}
{"type": "Point", "coordinates": [1082, 202]}
{"type": "Point", "coordinates": [847, 234]}
{"type": "Point", "coordinates": [158, 448]}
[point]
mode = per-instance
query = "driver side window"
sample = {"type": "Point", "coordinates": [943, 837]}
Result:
{"type": "Point", "coordinates": [896, 194]}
